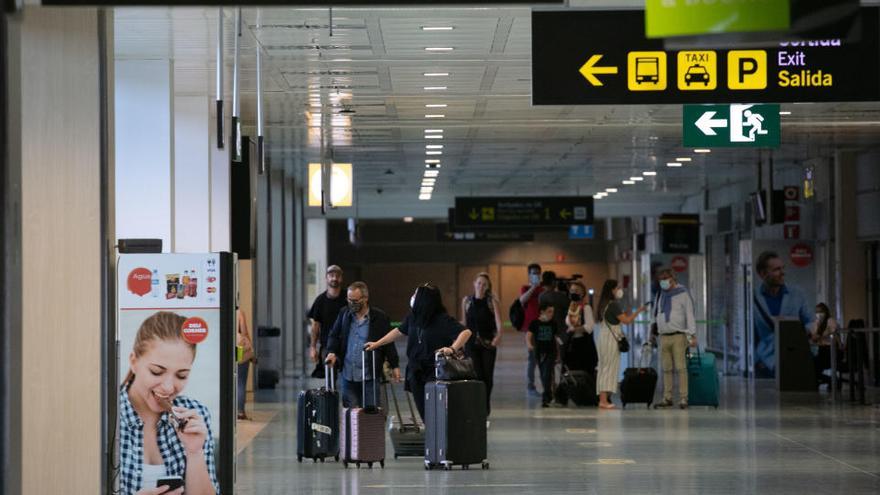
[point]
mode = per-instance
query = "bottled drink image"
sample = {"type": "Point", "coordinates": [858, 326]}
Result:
{"type": "Point", "coordinates": [155, 286]}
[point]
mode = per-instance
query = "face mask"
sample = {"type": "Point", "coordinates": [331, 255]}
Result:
{"type": "Point", "coordinates": [534, 279]}
{"type": "Point", "coordinates": [665, 284]}
{"type": "Point", "coordinates": [820, 316]}
{"type": "Point", "coordinates": [618, 293]}
{"type": "Point", "coordinates": [412, 302]}
{"type": "Point", "coordinates": [355, 307]}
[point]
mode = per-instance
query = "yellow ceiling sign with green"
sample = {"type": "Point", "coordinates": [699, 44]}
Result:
{"type": "Point", "coordinates": [664, 18]}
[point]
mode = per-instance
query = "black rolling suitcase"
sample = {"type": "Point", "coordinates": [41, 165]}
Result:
{"type": "Point", "coordinates": [455, 424]}
{"type": "Point", "coordinates": [407, 436]}
{"type": "Point", "coordinates": [317, 422]}
{"type": "Point", "coordinates": [579, 386]}
{"type": "Point", "coordinates": [638, 384]}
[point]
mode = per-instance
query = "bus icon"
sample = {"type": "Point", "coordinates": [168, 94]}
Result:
{"type": "Point", "coordinates": [647, 70]}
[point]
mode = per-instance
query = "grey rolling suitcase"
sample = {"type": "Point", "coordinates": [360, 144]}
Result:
{"type": "Point", "coordinates": [407, 436]}
{"type": "Point", "coordinates": [455, 424]}
{"type": "Point", "coordinates": [363, 428]}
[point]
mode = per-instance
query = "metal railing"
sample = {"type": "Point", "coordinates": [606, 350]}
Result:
{"type": "Point", "coordinates": [859, 346]}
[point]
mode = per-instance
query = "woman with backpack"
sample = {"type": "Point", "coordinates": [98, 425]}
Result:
{"type": "Point", "coordinates": [480, 314]}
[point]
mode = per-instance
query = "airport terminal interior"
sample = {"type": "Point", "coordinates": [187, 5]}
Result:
{"type": "Point", "coordinates": [355, 247]}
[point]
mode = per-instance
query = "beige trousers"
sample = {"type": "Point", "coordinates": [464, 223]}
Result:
{"type": "Point", "coordinates": [673, 349]}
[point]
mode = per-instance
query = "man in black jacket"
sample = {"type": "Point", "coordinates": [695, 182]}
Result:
{"type": "Point", "coordinates": [355, 326]}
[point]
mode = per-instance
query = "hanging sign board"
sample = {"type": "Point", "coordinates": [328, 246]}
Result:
{"type": "Point", "coordinates": [603, 58]}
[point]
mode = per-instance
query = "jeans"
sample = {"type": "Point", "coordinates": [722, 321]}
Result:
{"type": "Point", "coordinates": [352, 393]}
{"type": "Point", "coordinates": [484, 365]}
{"type": "Point", "coordinates": [241, 391]}
{"type": "Point", "coordinates": [546, 363]}
{"type": "Point", "coordinates": [673, 349]}
{"type": "Point", "coordinates": [530, 369]}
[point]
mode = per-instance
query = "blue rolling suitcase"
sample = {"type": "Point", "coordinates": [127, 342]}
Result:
{"type": "Point", "coordinates": [703, 386]}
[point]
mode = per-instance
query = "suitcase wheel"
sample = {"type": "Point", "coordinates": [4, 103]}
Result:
{"type": "Point", "coordinates": [315, 460]}
{"type": "Point", "coordinates": [358, 465]}
{"type": "Point", "coordinates": [322, 459]}
{"type": "Point", "coordinates": [370, 465]}
{"type": "Point", "coordinates": [345, 464]}
{"type": "Point", "coordinates": [447, 467]}
{"type": "Point", "coordinates": [382, 464]}
{"type": "Point", "coordinates": [336, 457]}
{"type": "Point", "coordinates": [485, 464]}
{"type": "Point", "coordinates": [299, 458]}
{"type": "Point", "coordinates": [427, 467]}
{"type": "Point", "coordinates": [395, 457]}
{"type": "Point", "coordinates": [466, 467]}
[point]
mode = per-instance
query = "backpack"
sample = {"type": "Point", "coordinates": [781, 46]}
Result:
{"type": "Point", "coordinates": [517, 315]}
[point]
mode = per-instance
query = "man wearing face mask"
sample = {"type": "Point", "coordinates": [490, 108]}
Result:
{"type": "Point", "coordinates": [356, 325]}
{"type": "Point", "coordinates": [529, 297]}
{"type": "Point", "coordinates": [677, 326]}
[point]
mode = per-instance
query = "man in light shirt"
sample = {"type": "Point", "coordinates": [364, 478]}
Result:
{"type": "Point", "coordinates": [676, 324]}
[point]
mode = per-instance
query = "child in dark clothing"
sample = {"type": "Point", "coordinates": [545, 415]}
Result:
{"type": "Point", "coordinates": [542, 341]}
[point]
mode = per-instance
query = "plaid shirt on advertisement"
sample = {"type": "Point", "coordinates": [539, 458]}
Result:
{"type": "Point", "coordinates": [131, 444]}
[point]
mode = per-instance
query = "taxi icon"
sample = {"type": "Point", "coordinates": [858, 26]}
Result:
{"type": "Point", "coordinates": [696, 73]}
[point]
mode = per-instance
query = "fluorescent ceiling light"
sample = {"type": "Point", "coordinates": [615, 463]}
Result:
{"type": "Point", "coordinates": [436, 105]}
{"type": "Point", "coordinates": [435, 88]}
{"type": "Point", "coordinates": [408, 219]}
{"type": "Point", "coordinates": [432, 173]}
{"type": "Point", "coordinates": [611, 190]}
{"type": "Point", "coordinates": [649, 173]}
{"type": "Point", "coordinates": [702, 150]}
{"type": "Point", "coordinates": [432, 162]}
{"type": "Point", "coordinates": [673, 164]}
{"type": "Point", "coordinates": [683, 159]}
{"type": "Point", "coordinates": [426, 190]}
{"type": "Point", "coordinates": [433, 136]}
{"type": "Point", "coordinates": [424, 197]}
{"type": "Point", "coordinates": [434, 146]}
{"type": "Point", "coordinates": [598, 196]}
{"type": "Point", "coordinates": [429, 181]}
{"type": "Point", "coordinates": [784, 113]}
{"type": "Point", "coordinates": [628, 182]}
{"type": "Point", "coordinates": [439, 48]}
{"type": "Point", "coordinates": [433, 130]}
{"type": "Point", "coordinates": [636, 178]}
{"type": "Point", "coordinates": [437, 28]}
{"type": "Point", "coordinates": [436, 74]}
{"type": "Point", "coordinates": [435, 116]}
{"type": "Point", "coordinates": [433, 153]}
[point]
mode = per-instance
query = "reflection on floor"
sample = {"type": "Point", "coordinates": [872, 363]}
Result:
{"type": "Point", "coordinates": [756, 442]}
{"type": "Point", "coordinates": [246, 430]}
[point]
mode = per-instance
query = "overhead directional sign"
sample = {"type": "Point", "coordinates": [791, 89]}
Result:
{"type": "Point", "coordinates": [603, 58]}
{"type": "Point", "coordinates": [527, 212]}
{"type": "Point", "coordinates": [579, 232]}
{"type": "Point", "coordinates": [738, 125]}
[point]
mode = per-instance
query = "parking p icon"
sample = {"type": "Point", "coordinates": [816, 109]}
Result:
{"type": "Point", "coordinates": [747, 69]}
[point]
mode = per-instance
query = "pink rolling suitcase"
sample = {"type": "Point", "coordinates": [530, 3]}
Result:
{"type": "Point", "coordinates": [363, 428]}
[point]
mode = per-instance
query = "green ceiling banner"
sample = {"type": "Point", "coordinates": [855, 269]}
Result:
{"type": "Point", "coordinates": [664, 18]}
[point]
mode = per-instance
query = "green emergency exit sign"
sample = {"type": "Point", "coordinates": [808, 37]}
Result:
{"type": "Point", "coordinates": [726, 126]}
{"type": "Point", "coordinates": [665, 18]}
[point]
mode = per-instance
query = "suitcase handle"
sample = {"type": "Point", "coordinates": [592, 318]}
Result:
{"type": "Point", "coordinates": [375, 406]}
{"type": "Point", "coordinates": [329, 379]}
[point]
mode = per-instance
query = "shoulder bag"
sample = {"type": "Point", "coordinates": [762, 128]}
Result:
{"type": "Point", "coordinates": [622, 341]}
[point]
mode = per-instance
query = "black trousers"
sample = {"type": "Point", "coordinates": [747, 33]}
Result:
{"type": "Point", "coordinates": [484, 364]}
{"type": "Point", "coordinates": [417, 387]}
{"type": "Point", "coordinates": [546, 363]}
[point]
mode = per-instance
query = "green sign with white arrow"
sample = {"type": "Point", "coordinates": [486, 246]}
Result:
{"type": "Point", "coordinates": [726, 126]}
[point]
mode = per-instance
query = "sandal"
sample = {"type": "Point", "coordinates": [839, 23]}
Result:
{"type": "Point", "coordinates": [607, 406]}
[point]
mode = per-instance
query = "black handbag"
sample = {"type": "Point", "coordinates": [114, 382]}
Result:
{"type": "Point", "coordinates": [454, 368]}
{"type": "Point", "coordinates": [623, 344]}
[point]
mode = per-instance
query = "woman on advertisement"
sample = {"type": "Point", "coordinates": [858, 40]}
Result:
{"type": "Point", "coordinates": [165, 440]}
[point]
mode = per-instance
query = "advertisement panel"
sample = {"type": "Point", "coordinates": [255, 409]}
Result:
{"type": "Point", "coordinates": [784, 288]}
{"type": "Point", "coordinates": [176, 350]}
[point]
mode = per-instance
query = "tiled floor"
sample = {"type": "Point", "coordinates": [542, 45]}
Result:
{"type": "Point", "coordinates": [756, 442]}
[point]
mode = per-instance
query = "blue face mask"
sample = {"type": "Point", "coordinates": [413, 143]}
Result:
{"type": "Point", "coordinates": [665, 284]}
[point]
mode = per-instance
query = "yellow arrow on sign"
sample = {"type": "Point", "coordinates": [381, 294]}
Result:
{"type": "Point", "coordinates": [473, 214]}
{"type": "Point", "coordinates": [565, 214]}
{"type": "Point", "coordinates": [589, 70]}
